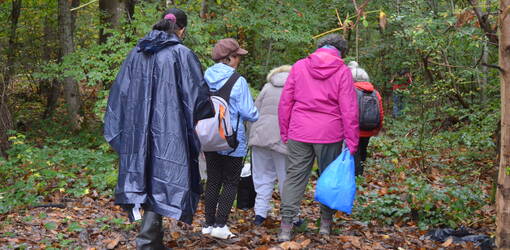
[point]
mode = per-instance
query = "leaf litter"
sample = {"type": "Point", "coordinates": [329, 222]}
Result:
{"type": "Point", "coordinates": [94, 222]}
{"type": "Point", "coordinates": [98, 224]}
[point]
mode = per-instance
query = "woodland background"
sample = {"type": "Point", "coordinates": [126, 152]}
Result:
{"type": "Point", "coordinates": [436, 166]}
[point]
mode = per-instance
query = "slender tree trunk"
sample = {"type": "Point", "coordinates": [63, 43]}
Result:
{"type": "Point", "coordinates": [130, 9]}
{"type": "Point", "coordinates": [110, 14]}
{"type": "Point", "coordinates": [484, 82]}
{"type": "Point", "coordinates": [11, 52]}
{"type": "Point", "coordinates": [74, 4]}
{"type": "Point", "coordinates": [503, 190]}
{"type": "Point", "coordinates": [6, 123]}
{"type": "Point", "coordinates": [50, 87]}
{"type": "Point", "coordinates": [203, 9]}
{"type": "Point", "coordinates": [130, 12]}
{"type": "Point", "coordinates": [71, 88]}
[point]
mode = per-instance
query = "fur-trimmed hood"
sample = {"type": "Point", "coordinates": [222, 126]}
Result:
{"type": "Point", "coordinates": [278, 76]}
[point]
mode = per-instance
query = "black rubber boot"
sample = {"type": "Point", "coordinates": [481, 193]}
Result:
{"type": "Point", "coordinates": [151, 232]}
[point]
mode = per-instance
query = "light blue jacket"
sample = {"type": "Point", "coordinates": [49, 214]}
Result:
{"type": "Point", "coordinates": [241, 102]}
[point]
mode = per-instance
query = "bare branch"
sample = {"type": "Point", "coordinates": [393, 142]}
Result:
{"type": "Point", "coordinates": [483, 19]}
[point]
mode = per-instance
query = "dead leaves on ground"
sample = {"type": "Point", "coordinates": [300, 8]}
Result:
{"type": "Point", "coordinates": [104, 226]}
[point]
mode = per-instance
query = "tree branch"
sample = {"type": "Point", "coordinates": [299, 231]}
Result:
{"type": "Point", "coordinates": [84, 5]}
{"type": "Point", "coordinates": [483, 19]}
{"type": "Point", "coordinates": [494, 67]}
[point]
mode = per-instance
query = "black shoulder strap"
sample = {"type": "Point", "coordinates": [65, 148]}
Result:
{"type": "Point", "coordinates": [224, 92]}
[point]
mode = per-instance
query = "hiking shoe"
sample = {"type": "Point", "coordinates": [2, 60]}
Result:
{"type": "Point", "coordinates": [222, 233]}
{"type": "Point", "coordinates": [259, 220]}
{"type": "Point", "coordinates": [285, 232]}
{"type": "Point", "coordinates": [207, 230]}
{"type": "Point", "coordinates": [325, 228]}
{"type": "Point", "coordinates": [298, 222]}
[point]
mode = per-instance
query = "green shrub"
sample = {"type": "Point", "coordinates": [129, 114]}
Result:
{"type": "Point", "coordinates": [32, 173]}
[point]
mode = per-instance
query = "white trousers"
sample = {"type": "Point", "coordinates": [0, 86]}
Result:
{"type": "Point", "coordinates": [267, 166]}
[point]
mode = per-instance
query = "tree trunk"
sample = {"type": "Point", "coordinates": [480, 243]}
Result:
{"type": "Point", "coordinates": [11, 52]}
{"type": "Point", "coordinates": [503, 190]}
{"type": "Point", "coordinates": [6, 123]}
{"type": "Point", "coordinates": [50, 87]}
{"type": "Point", "coordinates": [485, 72]}
{"type": "Point", "coordinates": [71, 88]}
{"type": "Point", "coordinates": [110, 14]}
{"type": "Point", "coordinates": [203, 9]}
{"type": "Point", "coordinates": [130, 9]}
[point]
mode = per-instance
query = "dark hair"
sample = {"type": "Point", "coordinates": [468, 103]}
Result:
{"type": "Point", "coordinates": [403, 71]}
{"type": "Point", "coordinates": [169, 26]}
{"type": "Point", "coordinates": [334, 40]}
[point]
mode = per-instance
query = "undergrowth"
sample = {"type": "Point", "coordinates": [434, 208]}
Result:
{"type": "Point", "coordinates": [71, 167]}
{"type": "Point", "coordinates": [432, 179]}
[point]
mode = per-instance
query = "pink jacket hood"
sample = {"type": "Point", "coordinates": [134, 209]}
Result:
{"type": "Point", "coordinates": [323, 63]}
{"type": "Point", "coordinates": [318, 103]}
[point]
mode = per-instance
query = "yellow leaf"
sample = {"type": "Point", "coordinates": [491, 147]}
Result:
{"type": "Point", "coordinates": [382, 20]}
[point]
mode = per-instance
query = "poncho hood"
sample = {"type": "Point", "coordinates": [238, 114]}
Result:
{"type": "Point", "coordinates": [155, 41]}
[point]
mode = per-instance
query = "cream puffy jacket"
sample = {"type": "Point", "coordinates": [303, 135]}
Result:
{"type": "Point", "coordinates": [265, 132]}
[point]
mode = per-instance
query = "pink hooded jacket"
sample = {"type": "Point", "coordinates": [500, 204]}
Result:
{"type": "Point", "coordinates": [319, 103]}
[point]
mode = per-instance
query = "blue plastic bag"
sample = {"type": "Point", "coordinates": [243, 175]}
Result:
{"type": "Point", "coordinates": [336, 186]}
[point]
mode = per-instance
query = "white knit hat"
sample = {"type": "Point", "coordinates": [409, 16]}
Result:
{"type": "Point", "coordinates": [358, 74]}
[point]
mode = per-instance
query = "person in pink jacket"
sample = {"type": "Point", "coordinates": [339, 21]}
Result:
{"type": "Point", "coordinates": [318, 112]}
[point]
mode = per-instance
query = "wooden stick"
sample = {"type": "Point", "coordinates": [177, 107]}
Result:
{"type": "Point", "coordinates": [327, 32]}
{"type": "Point", "coordinates": [338, 17]}
{"type": "Point", "coordinates": [81, 6]}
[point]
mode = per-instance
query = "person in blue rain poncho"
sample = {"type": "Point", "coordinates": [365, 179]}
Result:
{"type": "Point", "coordinates": [155, 102]}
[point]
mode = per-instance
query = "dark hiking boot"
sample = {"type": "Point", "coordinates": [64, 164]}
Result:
{"type": "Point", "coordinates": [285, 232]}
{"type": "Point", "coordinates": [325, 228]}
{"type": "Point", "coordinates": [259, 220]}
{"type": "Point", "coordinates": [151, 232]}
{"type": "Point", "coordinates": [298, 222]}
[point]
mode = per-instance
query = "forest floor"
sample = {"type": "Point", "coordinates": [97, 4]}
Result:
{"type": "Point", "coordinates": [391, 191]}
{"type": "Point", "coordinates": [94, 222]}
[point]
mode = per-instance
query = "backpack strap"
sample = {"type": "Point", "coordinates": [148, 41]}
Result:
{"type": "Point", "coordinates": [224, 92]}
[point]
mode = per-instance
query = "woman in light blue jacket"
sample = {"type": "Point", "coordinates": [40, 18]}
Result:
{"type": "Point", "coordinates": [224, 167]}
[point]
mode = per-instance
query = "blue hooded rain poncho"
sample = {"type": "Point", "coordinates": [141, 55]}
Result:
{"type": "Point", "coordinates": [157, 98]}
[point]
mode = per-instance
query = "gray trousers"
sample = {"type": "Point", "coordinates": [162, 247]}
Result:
{"type": "Point", "coordinates": [300, 160]}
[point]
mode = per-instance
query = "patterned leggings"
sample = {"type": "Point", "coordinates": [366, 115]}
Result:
{"type": "Point", "coordinates": [223, 174]}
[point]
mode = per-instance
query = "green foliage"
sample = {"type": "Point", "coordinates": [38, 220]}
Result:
{"type": "Point", "coordinates": [32, 173]}
{"type": "Point", "coordinates": [434, 186]}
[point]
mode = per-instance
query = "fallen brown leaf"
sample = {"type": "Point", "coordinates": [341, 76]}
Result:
{"type": "Point", "coordinates": [377, 246]}
{"type": "Point", "coordinates": [448, 242]}
{"type": "Point", "coordinates": [175, 235]}
{"type": "Point", "coordinates": [113, 243]}
{"type": "Point", "coordinates": [354, 240]}
{"type": "Point", "coordinates": [266, 238]}
{"type": "Point", "coordinates": [305, 243]}
{"type": "Point", "coordinates": [290, 245]}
